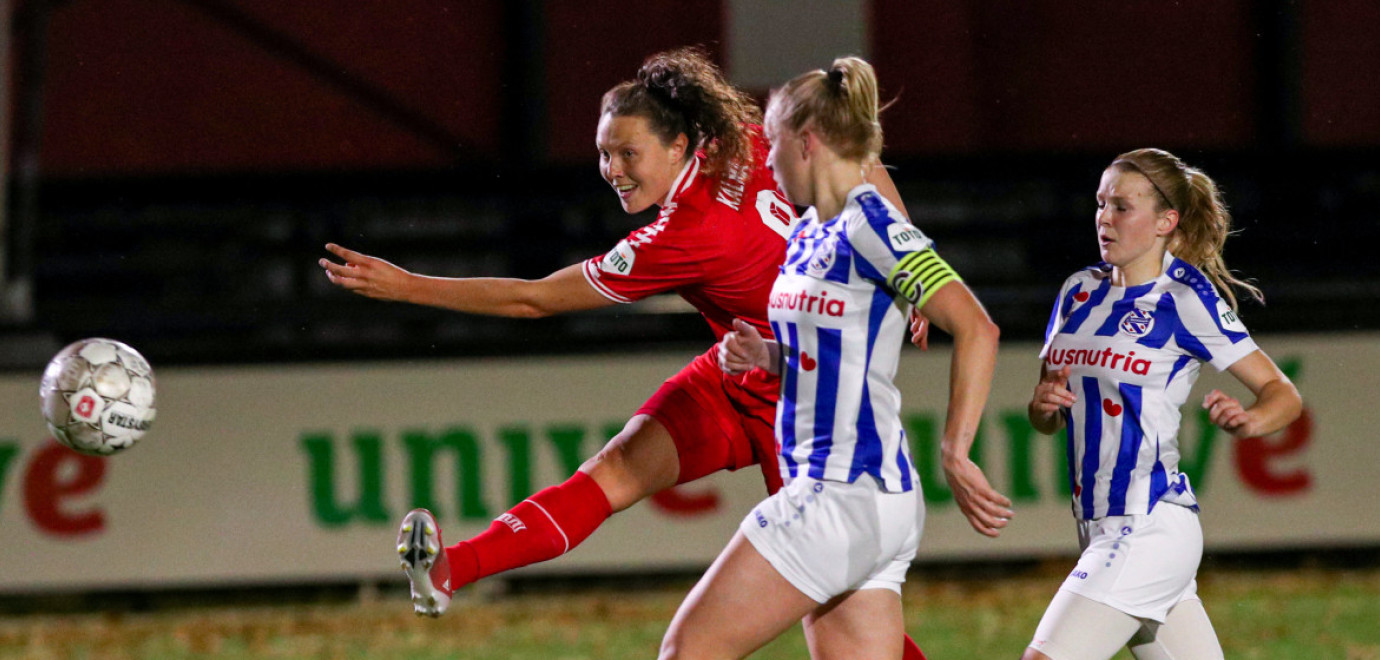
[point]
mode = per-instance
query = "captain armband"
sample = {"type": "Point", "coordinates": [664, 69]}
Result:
{"type": "Point", "coordinates": [919, 274]}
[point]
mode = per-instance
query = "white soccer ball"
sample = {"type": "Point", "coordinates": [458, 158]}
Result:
{"type": "Point", "coordinates": [98, 396]}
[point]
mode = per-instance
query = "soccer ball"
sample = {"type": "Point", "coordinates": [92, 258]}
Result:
{"type": "Point", "coordinates": [98, 396]}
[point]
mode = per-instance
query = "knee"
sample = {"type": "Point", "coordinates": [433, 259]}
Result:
{"type": "Point", "coordinates": [616, 475]}
{"type": "Point", "coordinates": [1032, 654]}
{"type": "Point", "coordinates": [617, 461]}
{"type": "Point", "coordinates": [613, 458]}
{"type": "Point", "coordinates": [632, 466]}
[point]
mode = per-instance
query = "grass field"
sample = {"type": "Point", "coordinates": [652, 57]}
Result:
{"type": "Point", "coordinates": [1313, 614]}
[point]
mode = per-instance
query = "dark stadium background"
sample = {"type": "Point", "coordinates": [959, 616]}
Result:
{"type": "Point", "coordinates": [172, 168]}
{"type": "Point", "coordinates": [176, 165]}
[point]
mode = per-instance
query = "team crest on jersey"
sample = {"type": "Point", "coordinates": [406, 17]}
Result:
{"type": "Point", "coordinates": [619, 260]}
{"type": "Point", "coordinates": [823, 258]}
{"type": "Point", "coordinates": [1137, 323]}
{"type": "Point", "coordinates": [904, 237]}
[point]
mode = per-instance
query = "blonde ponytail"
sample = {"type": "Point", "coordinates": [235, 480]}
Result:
{"type": "Point", "coordinates": [840, 104]}
{"type": "Point", "coordinates": [1204, 222]}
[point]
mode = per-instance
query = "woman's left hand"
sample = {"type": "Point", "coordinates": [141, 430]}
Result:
{"type": "Point", "coordinates": [987, 510]}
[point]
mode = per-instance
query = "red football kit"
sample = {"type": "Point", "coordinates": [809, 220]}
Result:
{"type": "Point", "coordinates": [718, 241]}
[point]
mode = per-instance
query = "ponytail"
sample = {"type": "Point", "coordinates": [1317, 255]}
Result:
{"type": "Point", "coordinates": [1204, 222]}
{"type": "Point", "coordinates": [682, 91]}
{"type": "Point", "coordinates": [840, 104]}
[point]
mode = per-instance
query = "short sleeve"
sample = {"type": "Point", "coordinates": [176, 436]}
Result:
{"type": "Point", "coordinates": [1209, 328]}
{"type": "Point", "coordinates": [1059, 314]}
{"type": "Point", "coordinates": [881, 235]}
{"type": "Point", "coordinates": [895, 253]}
{"type": "Point", "coordinates": [649, 261]}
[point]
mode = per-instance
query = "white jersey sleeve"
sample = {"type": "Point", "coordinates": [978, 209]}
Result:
{"type": "Point", "coordinates": [1063, 304]}
{"type": "Point", "coordinates": [1209, 329]}
{"type": "Point", "coordinates": [894, 253]}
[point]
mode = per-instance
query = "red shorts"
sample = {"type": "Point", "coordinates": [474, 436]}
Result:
{"type": "Point", "coordinates": [718, 421]}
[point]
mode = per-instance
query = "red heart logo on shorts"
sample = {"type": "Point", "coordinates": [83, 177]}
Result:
{"type": "Point", "coordinates": [806, 362]}
{"type": "Point", "coordinates": [1081, 296]}
{"type": "Point", "coordinates": [1077, 490]}
{"type": "Point", "coordinates": [1110, 408]}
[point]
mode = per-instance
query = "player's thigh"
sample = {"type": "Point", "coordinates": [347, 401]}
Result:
{"type": "Point", "coordinates": [859, 624]}
{"type": "Point", "coordinates": [1186, 633]}
{"type": "Point", "coordinates": [639, 461]}
{"type": "Point", "coordinates": [1078, 628]}
{"type": "Point", "coordinates": [739, 605]}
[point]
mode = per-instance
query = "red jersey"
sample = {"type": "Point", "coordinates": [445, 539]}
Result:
{"type": "Point", "coordinates": [718, 241]}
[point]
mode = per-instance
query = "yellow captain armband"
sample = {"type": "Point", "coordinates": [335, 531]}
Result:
{"type": "Point", "coordinates": [919, 274]}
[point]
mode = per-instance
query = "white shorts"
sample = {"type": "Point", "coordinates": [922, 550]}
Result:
{"type": "Point", "coordinates": [828, 537]}
{"type": "Point", "coordinates": [1142, 565]}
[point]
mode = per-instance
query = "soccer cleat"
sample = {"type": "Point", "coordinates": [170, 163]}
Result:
{"type": "Point", "coordinates": [424, 560]}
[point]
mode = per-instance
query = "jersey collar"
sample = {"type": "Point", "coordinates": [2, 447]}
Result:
{"type": "Point", "coordinates": [857, 191]}
{"type": "Point", "coordinates": [1166, 263]}
{"type": "Point", "coordinates": [683, 180]}
{"type": "Point", "coordinates": [851, 199]}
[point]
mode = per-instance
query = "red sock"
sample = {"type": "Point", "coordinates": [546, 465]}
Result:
{"type": "Point", "coordinates": [912, 651]}
{"type": "Point", "coordinates": [541, 527]}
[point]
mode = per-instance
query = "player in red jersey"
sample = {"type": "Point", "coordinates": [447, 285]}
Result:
{"type": "Point", "coordinates": [680, 137]}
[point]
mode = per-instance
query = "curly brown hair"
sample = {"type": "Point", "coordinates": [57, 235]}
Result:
{"type": "Point", "coordinates": [682, 91]}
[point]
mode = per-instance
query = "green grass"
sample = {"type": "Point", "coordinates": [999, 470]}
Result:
{"type": "Point", "coordinates": [1313, 614]}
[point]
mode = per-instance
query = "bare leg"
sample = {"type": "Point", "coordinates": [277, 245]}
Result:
{"type": "Point", "coordinates": [739, 605]}
{"type": "Point", "coordinates": [640, 461]}
{"type": "Point", "coordinates": [859, 624]}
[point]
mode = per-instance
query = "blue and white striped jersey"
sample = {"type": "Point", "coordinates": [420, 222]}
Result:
{"type": "Point", "coordinates": [1134, 354]}
{"type": "Point", "coordinates": [841, 326]}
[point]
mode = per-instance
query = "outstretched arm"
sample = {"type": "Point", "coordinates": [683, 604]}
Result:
{"type": "Point", "coordinates": [955, 310]}
{"type": "Point", "coordinates": [1277, 401]}
{"type": "Point", "coordinates": [562, 291]}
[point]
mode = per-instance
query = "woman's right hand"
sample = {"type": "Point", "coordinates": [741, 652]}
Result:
{"type": "Point", "coordinates": [919, 329]}
{"type": "Point", "coordinates": [368, 276]}
{"type": "Point", "coordinates": [1052, 393]}
{"type": "Point", "coordinates": [743, 349]}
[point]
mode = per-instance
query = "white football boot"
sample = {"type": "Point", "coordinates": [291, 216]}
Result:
{"type": "Point", "coordinates": [425, 562]}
